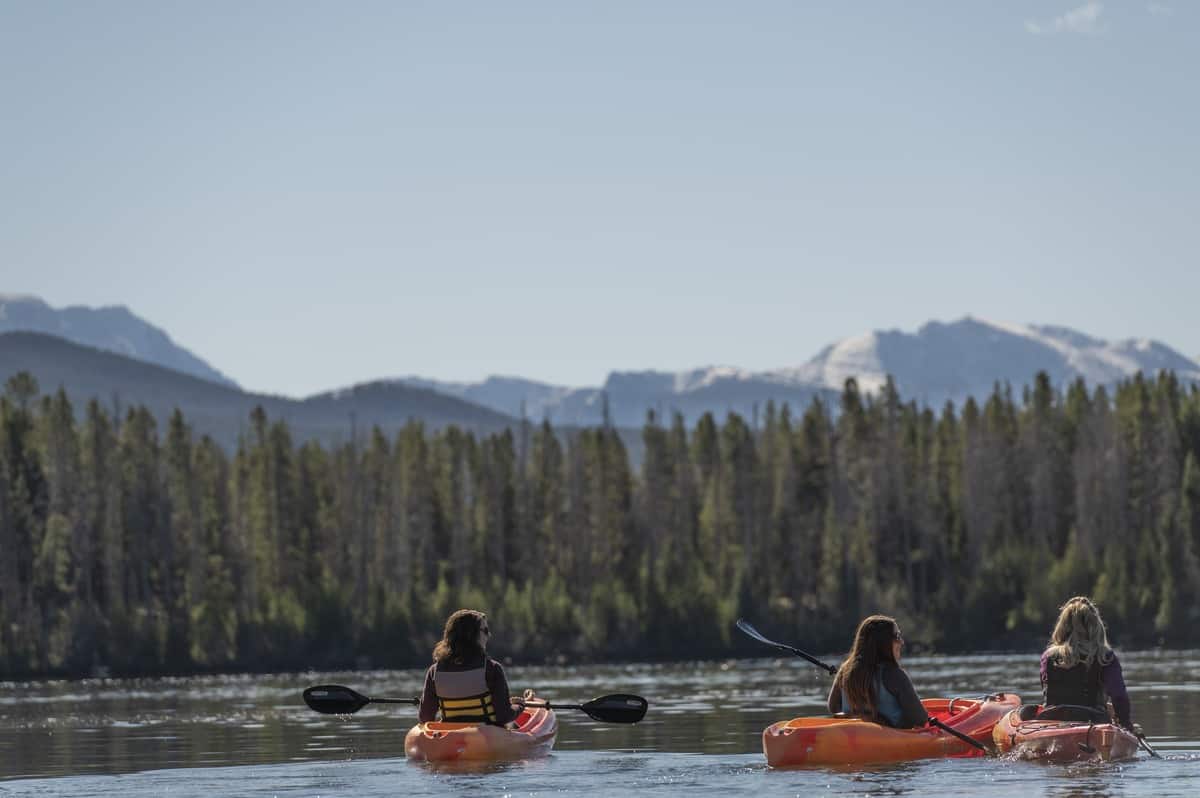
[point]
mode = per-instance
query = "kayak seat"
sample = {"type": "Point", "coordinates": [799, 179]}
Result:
{"type": "Point", "coordinates": [1073, 712]}
{"type": "Point", "coordinates": [1028, 711]}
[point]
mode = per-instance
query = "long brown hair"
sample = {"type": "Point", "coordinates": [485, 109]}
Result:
{"type": "Point", "coordinates": [460, 639]}
{"type": "Point", "coordinates": [1079, 635]}
{"type": "Point", "coordinates": [872, 648]}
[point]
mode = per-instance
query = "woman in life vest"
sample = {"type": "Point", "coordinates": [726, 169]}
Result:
{"type": "Point", "coordinates": [1079, 668]}
{"type": "Point", "coordinates": [871, 685]}
{"type": "Point", "coordinates": [463, 684]}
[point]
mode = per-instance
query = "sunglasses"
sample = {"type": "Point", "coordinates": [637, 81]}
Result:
{"type": "Point", "coordinates": [486, 631]}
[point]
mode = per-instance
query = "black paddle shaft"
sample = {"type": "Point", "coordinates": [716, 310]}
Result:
{"type": "Point", "coordinates": [335, 699]}
{"type": "Point", "coordinates": [1145, 745]}
{"type": "Point", "coordinates": [955, 732]}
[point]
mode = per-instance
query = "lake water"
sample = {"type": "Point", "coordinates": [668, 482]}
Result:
{"type": "Point", "coordinates": [252, 735]}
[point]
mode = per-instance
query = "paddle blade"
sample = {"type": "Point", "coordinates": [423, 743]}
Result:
{"type": "Point", "coordinates": [1145, 745]}
{"type": "Point", "coordinates": [617, 708]}
{"type": "Point", "coordinates": [748, 629]}
{"type": "Point", "coordinates": [333, 699]}
{"type": "Point", "coordinates": [744, 625]}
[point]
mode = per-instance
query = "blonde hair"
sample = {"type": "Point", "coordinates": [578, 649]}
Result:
{"type": "Point", "coordinates": [1079, 635]}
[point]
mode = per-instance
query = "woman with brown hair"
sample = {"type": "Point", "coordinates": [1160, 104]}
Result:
{"type": "Point", "coordinates": [463, 683]}
{"type": "Point", "coordinates": [1079, 668]}
{"type": "Point", "coordinates": [871, 685]}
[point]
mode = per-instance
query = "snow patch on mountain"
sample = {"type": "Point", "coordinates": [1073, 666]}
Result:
{"type": "Point", "coordinates": [857, 357]}
{"type": "Point", "coordinates": [968, 357]}
{"type": "Point", "coordinates": [941, 361]}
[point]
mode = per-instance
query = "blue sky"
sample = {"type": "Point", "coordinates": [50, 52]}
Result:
{"type": "Point", "coordinates": [313, 194]}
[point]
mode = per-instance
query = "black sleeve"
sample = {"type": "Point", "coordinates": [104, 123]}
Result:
{"type": "Point", "coordinates": [497, 682]}
{"type": "Point", "coordinates": [896, 682]}
{"type": "Point", "coordinates": [429, 702]}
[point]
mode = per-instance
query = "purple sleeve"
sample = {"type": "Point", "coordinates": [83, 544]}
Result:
{"type": "Point", "coordinates": [497, 683]}
{"type": "Point", "coordinates": [429, 703]}
{"type": "Point", "coordinates": [1114, 685]}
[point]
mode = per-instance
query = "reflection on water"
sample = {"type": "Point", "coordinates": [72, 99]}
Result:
{"type": "Point", "coordinates": [167, 728]}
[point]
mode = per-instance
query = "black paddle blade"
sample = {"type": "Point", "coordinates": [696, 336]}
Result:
{"type": "Point", "coordinates": [333, 699]}
{"type": "Point", "coordinates": [617, 708]}
{"type": "Point", "coordinates": [745, 626]}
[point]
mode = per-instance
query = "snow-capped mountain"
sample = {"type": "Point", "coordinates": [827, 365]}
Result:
{"type": "Point", "coordinates": [967, 357]}
{"type": "Point", "coordinates": [939, 362]}
{"type": "Point", "coordinates": [114, 329]}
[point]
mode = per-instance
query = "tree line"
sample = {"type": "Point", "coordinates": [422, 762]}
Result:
{"type": "Point", "coordinates": [140, 550]}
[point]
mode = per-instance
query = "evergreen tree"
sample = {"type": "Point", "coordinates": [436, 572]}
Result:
{"type": "Point", "coordinates": [144, 552]}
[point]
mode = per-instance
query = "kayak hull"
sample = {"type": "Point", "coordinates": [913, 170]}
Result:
{"type": "Point", "coordinates": [1063, 741]}
{"type": "Point", "coordinates": [850, 741]}
{"type": "Point", "coordinates": [534, 735]}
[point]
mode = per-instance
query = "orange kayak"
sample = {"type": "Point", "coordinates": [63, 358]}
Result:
{"type": "Point", "coordinates": [844, 741]}
{"type": "Point", "coordinates": [436, 741]}
{"type": "Point", "coordinates": [1063, 741]}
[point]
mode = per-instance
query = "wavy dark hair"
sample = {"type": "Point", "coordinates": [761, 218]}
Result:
{"type": "Point", "coordinates": [460, 638]}
{"type": "Point", "coordinates": [872, 648]}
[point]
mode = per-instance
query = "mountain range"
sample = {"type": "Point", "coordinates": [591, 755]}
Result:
{"type": "Point", "coordinates": [111, 354]}
{"type": "Point", "coordinates": [222, 411]}
{"type": "Point", "coordinates": [113, 328]}
{"type": "Point", "coordinates": [627, 396]}
{"type": "Point", "coordinates": [938, 363]}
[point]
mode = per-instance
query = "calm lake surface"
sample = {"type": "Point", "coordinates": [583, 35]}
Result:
{"type": "Point", "coordinates": [252, 735]}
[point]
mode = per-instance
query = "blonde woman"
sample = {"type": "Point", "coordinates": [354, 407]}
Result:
{"type": "Point", "coordinates": [1079, 668]}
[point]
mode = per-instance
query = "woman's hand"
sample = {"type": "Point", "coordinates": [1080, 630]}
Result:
{"type": "Point", "coordinates": [529, 699]}
{"type": "Point", "coordinates": [523, 700]}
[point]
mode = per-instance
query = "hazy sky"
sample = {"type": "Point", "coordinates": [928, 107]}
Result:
{"type": "Point", "coordinates": [313, 194]}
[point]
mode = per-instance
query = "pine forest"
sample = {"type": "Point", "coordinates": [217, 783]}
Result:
{"type": "Point", "coordinates": [140, 548]}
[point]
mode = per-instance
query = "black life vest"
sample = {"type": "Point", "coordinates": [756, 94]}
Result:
{"type": "Point", "coordinates": [1078, 686]}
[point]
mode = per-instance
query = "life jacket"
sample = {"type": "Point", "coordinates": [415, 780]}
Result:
{"type": "Point", "coordinates": [1078, 686]}
{"type": "Point", "coordinates": [463, 696]}
{"type": "Point", "coordinates": [887, 708]}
